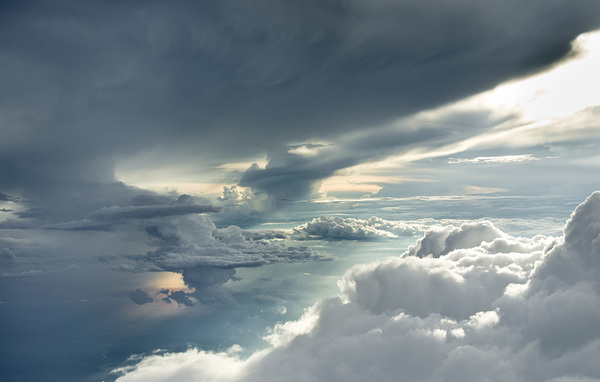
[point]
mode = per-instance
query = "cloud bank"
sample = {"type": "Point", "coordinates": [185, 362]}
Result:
{"type": "Point", "coordinates": [207, 256]}
{"type": "Point", "coordinates": [464, 304]}
{"type": "Point", "coordinates": [199, 84]}
{"type": "Point", "coordinates": [340, 228]}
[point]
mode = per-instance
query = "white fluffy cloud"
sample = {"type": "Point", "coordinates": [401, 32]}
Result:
{"type": "Point", "coordinates": [464, 304]}
{"type": "Point", "coordinates": [340, 228]}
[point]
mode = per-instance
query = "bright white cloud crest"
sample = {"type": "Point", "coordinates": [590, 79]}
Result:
{"type": "Point", "coordinates": [340, 228]}
{"type": "Point", "coordinates": [472, 304]}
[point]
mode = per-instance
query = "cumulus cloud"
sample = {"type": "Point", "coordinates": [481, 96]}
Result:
{"type": "Point", "coordinates": [194, 241]}
{"type": "Point", "coordinates": [327, 227]}
{"type": "Point", "coordinates": [341, 228]}
{"type": "Point", "coordinates": [475, 304]}
{"type": "Point", "coordinates": [207, 256]}
{"type": "Point", "coordinates": [440, 241]}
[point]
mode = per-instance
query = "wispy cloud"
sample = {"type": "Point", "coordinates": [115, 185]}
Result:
{"type": "Point", "coordinates": [497, 159]}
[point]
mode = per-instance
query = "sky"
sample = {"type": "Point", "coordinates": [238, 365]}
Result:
{"type": "Point", "coordinates": [317, 190]}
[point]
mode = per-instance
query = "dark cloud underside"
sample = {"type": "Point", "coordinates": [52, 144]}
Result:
{"type": "Point", "coordinates": [84, 82]}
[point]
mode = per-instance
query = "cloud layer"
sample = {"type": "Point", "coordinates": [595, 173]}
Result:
{"type": "Point", "coordinates": [477, 305]}
{"type": "Point", "coordinates": [207, 256]}
{"type": "Point", "coordinates": [199, 84]}
{"type": "Point", "coordinates": [340, 228]}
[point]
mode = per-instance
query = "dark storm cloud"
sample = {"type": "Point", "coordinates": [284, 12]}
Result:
{"type": "Point", "coordinates": [5, 198]}
{"type": "Point", "coordinates": [85, 83]}
{"type": "Point", "coordinates": [291, 175]}
{"type": "Point", "coordinates": [140, 297]}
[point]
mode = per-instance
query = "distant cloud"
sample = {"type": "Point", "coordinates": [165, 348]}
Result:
{"type": "Point", "coordinates": [472, 304]}
{"type": "Point", "coordinates": [5, 198]}
{"type": "Point", "coordinates": [207, 256]}
{"type": "Point", "coordinates": [147, 212]}
{"type": "Point", "coordinates": [140, 297]}
{"type": "Point", "coordinates": [498, 159]}
{"type": "Point", "coordinates": [108, 217]}
{"type": "Point", "coordinates": [340, 228]}
{"type": "Point", "coordinates": [33, 272]}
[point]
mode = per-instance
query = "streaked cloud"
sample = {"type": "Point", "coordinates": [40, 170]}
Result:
{"type": "Point", "coordinates": [499, 159]}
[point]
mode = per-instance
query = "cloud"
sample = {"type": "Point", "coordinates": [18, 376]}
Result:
{"type": "Point", "coordinates": [340, 228]}
{"type": "Point", "coordinates": [194, 85]}
{"type": "Point", "coordinates": [498, 308]}
{"type": "Point", "coordinates": [147, 212]}
{"type": "Point", "coordinates": [486, 123]}
{"type": "Point", "coordinates": [108, 217]}
{"type": "Point", "coordinates": [442, 240]}
{"type": "Point", "coordinates": [33, 272]}
{"type": "Point", "coordinates": [207, 256]}
{"type": "Point", "coordinates": [5, 198]}
{"type": "Point", "coordinates": [140, 297]}
{"type": "Point", "coordinates": [7, 256]}
{"type": "Point", "coordinates": [180, 297]}
{"type": "Point", "coordinates": [497, 159]}
{"type": "Point", "coordinates": [194, 241]}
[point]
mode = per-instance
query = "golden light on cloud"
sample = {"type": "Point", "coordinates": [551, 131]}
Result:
{"type": "Point", "coordinates": [365, 178]}
{"type": "Point", "coordinates": [347, 184]}
{"type": "Point", "coordinates": [475, 190]}
{"type": "Point", "coordinates": [183, 188]}
{"type": "Point", "coordinates": [167, 280]}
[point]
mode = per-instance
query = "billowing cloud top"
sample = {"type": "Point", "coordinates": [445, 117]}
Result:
{"type": "Point", "coordinates": [207, 257]}
{"type": "Point", "coordinates": [477, 305]}
{"type": "Point", "coordinates": [340, 228]}
{"type": "Point", "coordinates": [194, 241]}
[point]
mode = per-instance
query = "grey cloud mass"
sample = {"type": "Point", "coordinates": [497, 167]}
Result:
{"type": "Point", "coordinates": [207, 257]}
{"type": "Point", "coordinates": [108, 217]}
{"type": "Point", "coordinates": [140, 297]}
{"type": "Point", "coordinates": [499, 308]}
{"type": "Point", "coordinates": [85, 82]}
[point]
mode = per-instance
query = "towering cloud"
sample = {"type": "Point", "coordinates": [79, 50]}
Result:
{"type": "Point", "coordinates": [478, 305]}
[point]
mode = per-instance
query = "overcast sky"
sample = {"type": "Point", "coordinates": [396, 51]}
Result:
{"type": "Point", "coordinates": [190, 173]}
